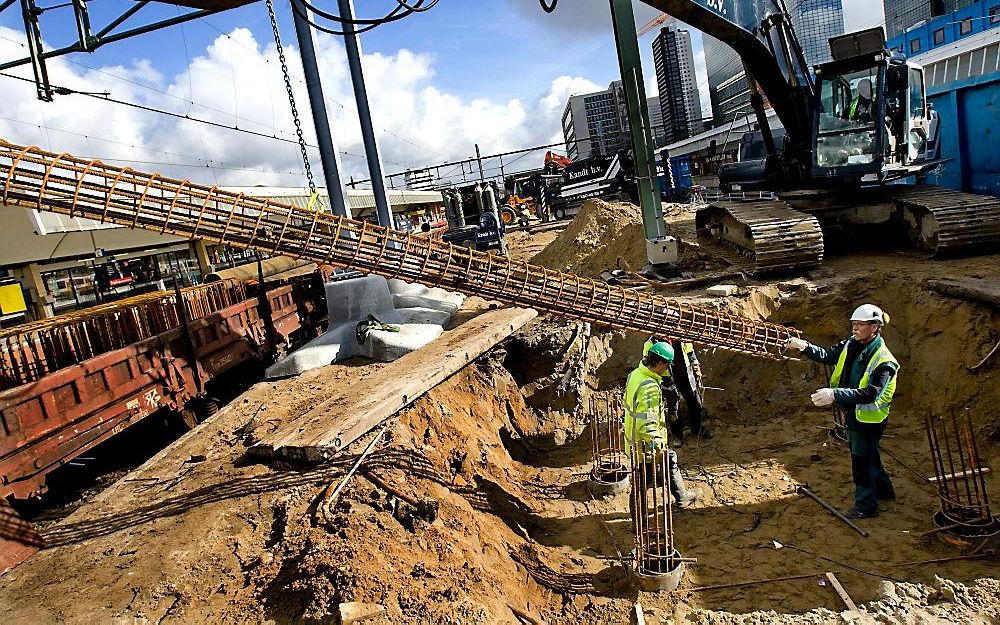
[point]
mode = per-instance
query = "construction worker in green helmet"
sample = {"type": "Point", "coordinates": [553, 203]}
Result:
{"type": "Point", "coordinates": [683, 379]}
{"type": "Point", "coordinates": [863, 384]}
{"type": "Point", "coordinates": [646, 419]}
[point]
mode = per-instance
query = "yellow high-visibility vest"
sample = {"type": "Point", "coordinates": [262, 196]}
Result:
{"type": "Point", "coordinates": [878, 410]}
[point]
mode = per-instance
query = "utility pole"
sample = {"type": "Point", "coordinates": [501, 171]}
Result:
{"type": "Point", "coordinates": [327, 152]}
{"type": "Point", "coordinates": [353, 45]}
{"type": "Point", "coordinates": [627, 42]}
{"type": "Point", "coordinates": [479, 160]}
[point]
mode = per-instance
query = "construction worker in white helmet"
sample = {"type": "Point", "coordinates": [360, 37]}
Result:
{"type": "Point", "coordinates": [863, 384]}
{"type": "Point", "coordinates": [646, 419]}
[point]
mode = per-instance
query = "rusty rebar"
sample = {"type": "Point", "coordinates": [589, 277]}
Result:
{"type": "Point", "coordinates": [607, 458]}
{"type": "Point", "coordinates": [61, 183]}
{"type": "Point", "coordinates": [652, 515]}
{"type": "Point", "coordinates": [30, 351]}
{"type": "Point", "coordinates": [961, 487]}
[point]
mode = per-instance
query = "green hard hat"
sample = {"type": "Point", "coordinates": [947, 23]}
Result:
{"type": "Point", "coordinates": [663, 350]}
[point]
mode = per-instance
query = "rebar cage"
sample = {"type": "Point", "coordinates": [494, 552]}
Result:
{"type": "Point", "coordinates": [652, 514]}
{"type": "Point", "coordinates": [965, 503]}
{"type": "Point", "coordinates": [608, 459]}
{"type": "Point", "coordinates": [61, 183]}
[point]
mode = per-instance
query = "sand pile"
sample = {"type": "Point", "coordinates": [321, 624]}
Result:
{"type": "Point", "coordinates": [597, 236]}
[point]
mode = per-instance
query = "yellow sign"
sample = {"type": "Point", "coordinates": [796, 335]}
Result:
{"type": "Point", "coordinates": [11, 299]}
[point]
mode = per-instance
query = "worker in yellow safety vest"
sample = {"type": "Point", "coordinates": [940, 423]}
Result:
{"type": "Point", "coordinates": [646, 420]}
{"type": "Point", "coordinates": [863, 383]}
{"type": "Point", "coordinates": [683, 379]}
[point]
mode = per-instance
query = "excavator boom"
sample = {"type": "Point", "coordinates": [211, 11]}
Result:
{"type": "Point", "coordinates": [767, 46]}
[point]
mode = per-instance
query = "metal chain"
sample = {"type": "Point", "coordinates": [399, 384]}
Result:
{"type": "Point", "coordinates": [291, 101]}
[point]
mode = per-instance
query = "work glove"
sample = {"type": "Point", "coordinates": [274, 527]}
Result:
{"type": "Point", "coordinates": [822, 397]}
{"type": "Point", "coordinates": [794, 342]}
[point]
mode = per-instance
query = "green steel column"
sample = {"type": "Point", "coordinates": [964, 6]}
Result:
{"type": "Point", "coordinates": [627, 42]}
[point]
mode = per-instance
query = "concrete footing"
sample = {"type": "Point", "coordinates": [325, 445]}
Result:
{"type": "Point", "coordinates": [657, 582]}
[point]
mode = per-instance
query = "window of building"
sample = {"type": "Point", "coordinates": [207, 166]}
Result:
{"type": "Point", "coordinates": [992, 59]}
{"type": "Point", "coordinates": [914, 46]}
{"type": "Point", "coordinates": [995, 14]}
{"type": "Point", "coordinates": [965, 26]}
{"type": "Point", "coordinates": [938, 36]}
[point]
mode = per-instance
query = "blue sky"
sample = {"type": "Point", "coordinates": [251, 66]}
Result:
{"type": "Point", "coordinates": [496, 73]}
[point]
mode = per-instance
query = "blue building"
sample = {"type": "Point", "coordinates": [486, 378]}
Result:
{"type": "Point", "coordinates": [960, 53]}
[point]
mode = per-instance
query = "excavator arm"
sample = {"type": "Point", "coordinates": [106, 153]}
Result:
{"type": "Point", "coordinates": [759, 32]}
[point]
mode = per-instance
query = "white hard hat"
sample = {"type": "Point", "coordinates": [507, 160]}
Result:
{"type": "Point", "coordinates": [865, 88]}
{"type": "Point", "coordinates": [868, 312]}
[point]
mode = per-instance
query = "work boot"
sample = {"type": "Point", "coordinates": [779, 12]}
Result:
{"type": "Point", "coordinates": [705, 434]}
{"type": "Point", "coordinates": [682, 495]}
{"type": "Point", "coordinates": [686, 497]}
{"type": "Point", "coordinates": [854, 513]}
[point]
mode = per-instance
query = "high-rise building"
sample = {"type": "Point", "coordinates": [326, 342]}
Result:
{"type": "Point", "coordinates": [815, 22]}
{"type": "Point", "coordinates": [656, 121]}
{"type": "Point", "coordinates": [900, 15]}
{"type": "Point", "coordinates": [727, 83]}
{"type": "Point", "coordinates": [595, 123]}
{"type": "Point", "coordinates": [680, 102]}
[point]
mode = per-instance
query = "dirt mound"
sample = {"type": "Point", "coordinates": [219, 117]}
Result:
{"type": "Point", "coordinates": [458, 569]}
{"type": "Point", "coordinates": [599, 234]}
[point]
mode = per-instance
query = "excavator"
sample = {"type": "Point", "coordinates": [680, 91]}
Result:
{"type": "Point", "coordinates": [860, 138]}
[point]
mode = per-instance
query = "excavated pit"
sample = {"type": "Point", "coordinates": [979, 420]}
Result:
{"type": "Point", "coordinates": [520, 529]}
{"type": "Point", "coordinates": [503, 448]}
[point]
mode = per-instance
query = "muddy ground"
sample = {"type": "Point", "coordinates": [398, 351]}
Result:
{"type": "Point", "coordinates": [502, 446]}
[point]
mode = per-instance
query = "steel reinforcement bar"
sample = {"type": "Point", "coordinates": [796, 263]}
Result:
{"type": "Point", "coordinates": [30, 351]}
{"type": "Point", "coordinates": [61, 183]}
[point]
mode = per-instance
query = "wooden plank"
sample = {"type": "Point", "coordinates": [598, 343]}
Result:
{"type": "Point", "coordinates": [961, 474]}
{"type": "Point", "coordinates": [851, 606]}
{"type": "Point", "coordinates": [339, 421]}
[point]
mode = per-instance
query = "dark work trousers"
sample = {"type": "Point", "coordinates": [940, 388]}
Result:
{"type": "Point", "coordinates": [672, 397]}
{"type": "Point", "coordinates": [871, 482]}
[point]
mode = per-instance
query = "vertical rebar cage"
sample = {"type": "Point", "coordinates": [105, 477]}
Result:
{"type": "Point", "coordinates": [652, 512]}
{"type": "Point", "coordinates": [608, 460]}
{"type": "Point", "coordinates": [965, 505]}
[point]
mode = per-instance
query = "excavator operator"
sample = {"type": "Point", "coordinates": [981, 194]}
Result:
{"type": "Point", "coordinates": [861, 105]}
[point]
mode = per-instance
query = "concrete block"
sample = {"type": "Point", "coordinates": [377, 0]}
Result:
{"type": "Point", "coordinates": [420, 312]}
{"type": "Point", "coordinates": [722, 290]}
{"type": "Point", "coordinates": [355, 612]}
{"type": "Point", "coordinates": [387, 346]}
{"type": "Point", "coordinates": [357, 298]}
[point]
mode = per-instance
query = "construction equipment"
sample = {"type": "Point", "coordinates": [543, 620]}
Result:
{"type": "Point", "coordinates": [861, 124]}
{"type": "Point", "coordinates": [71, 382]}
{"type": "Point", "coordinates": [62, 183]}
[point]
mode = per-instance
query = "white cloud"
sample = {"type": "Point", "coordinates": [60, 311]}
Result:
{"type": "Point", "coordinates": [236, 80]}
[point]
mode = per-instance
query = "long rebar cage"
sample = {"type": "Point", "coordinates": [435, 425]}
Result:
{"type": "Point", "coordinates": [61, 183]}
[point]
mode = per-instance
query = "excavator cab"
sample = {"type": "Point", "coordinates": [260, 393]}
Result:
{"type": "Point", "coordinates": [849, 136]}
{"type": "Point", "coordinates": [872, 122]}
